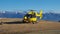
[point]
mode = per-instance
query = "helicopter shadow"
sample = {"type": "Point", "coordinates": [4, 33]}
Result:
{"type": "Point", "coordinates": [15, 22]}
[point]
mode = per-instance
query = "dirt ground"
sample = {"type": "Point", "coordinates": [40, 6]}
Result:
{"type": "Point", "coordinates": [42, 27]}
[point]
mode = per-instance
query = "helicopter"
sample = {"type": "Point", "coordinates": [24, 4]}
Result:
{"type": "Point", "coordinates": [31, 16]}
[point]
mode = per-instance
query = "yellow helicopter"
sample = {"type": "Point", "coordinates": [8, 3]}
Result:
{"type": "Point", "coordinates": [31, 16]}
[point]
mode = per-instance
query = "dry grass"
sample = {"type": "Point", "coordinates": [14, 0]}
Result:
{"type": "Point", "coordinates": [9, 19]}
{"type": "Point", "coordinates": [43, 27]}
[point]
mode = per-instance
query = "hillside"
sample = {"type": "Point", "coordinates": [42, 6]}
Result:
{"type": "Point", "coordinates": [42, 27]}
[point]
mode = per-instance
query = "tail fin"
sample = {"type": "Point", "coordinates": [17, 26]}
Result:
{"type": "Point", "coordinates": [41, 14]}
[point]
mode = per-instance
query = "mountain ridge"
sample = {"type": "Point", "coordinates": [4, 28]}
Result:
{"type": "Point", "coordinates": [46, 16]}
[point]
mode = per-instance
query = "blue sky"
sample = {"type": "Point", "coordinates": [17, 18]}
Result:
{"type": "Point", "coordinates": [46, 5]}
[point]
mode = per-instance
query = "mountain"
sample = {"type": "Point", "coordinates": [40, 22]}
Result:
{"type": "Point", "coordinates": [11, 15]}
{"type": "Point", "coordinates": [51, 16]}
{"type": "Point", "coordinates": [46, 16]}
